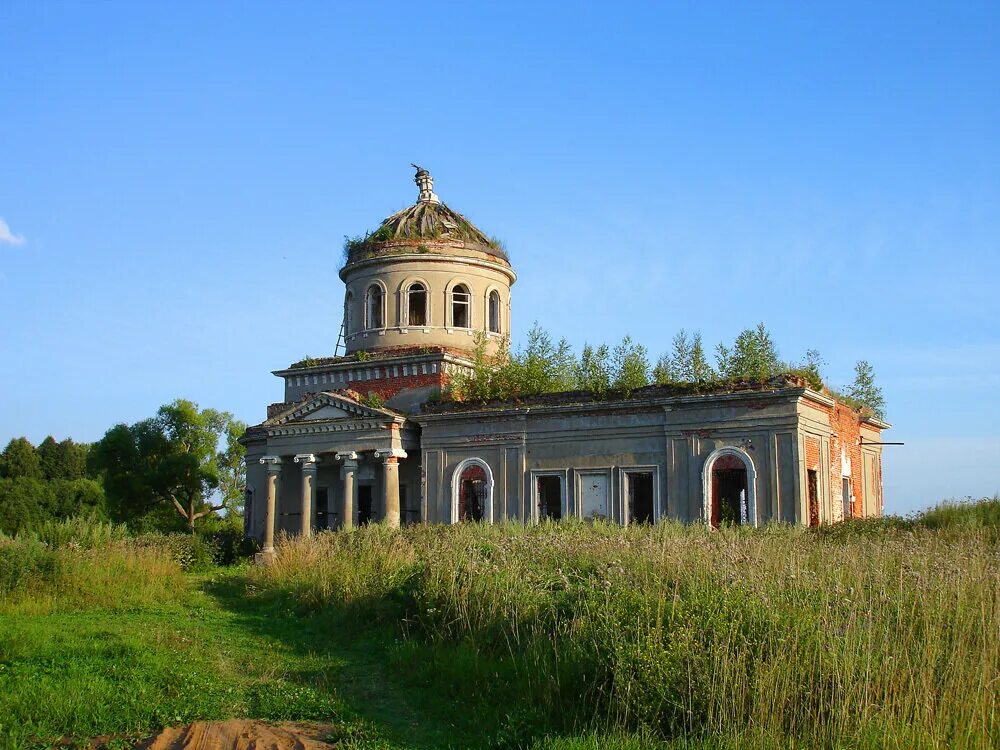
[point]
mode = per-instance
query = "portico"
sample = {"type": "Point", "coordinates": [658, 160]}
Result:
{"type": "Point", "coordinates": [332, 462]}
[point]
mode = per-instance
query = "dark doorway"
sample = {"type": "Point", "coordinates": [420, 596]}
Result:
{"type": "Point", "coordinates": [364, 504]}
{"type": "Point", "coordinates": [549, 498]}
{"type": "Point", "coordinates": [472, 494]}
{"type": "Point", "coordinates": [812, 482]}
{"type": "Point", "coordinates": [848, 509]}
{"type": "Point", "coordinates": [322, 503]}
{"type": "Point", "coordinates": [640, 497]}
{"type": "Point", "coordinates": [729, 492]}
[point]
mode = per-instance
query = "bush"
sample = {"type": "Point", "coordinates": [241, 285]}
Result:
{"type": "Point", "coordinates": [189, 551]}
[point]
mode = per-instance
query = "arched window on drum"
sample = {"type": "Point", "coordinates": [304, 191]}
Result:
{"type": "Point", "coordinates": [494, 311]}
{"type": "Point", "coordinates": [416, 304]}
{"type": "Point", "coordinates": [374, 308]}
{"type": "Point", "coordinates": [461, 302]}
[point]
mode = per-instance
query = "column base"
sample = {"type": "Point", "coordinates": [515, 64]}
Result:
{"type": "Point", "coordinates": [264, 557]}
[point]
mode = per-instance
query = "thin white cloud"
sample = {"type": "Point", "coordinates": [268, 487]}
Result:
{"type": "Point", "coordinates": [7, 237]}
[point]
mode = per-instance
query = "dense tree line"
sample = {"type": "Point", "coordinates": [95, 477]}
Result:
{"type": "Point", "coordinates": [45, 482]}
{"type": "Point", "coordinates": [545, 366]}
{"type": "Point", "coordinates": [167, 472]}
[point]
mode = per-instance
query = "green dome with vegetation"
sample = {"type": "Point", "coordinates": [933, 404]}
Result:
{"type": "Point", "coordinates": [421, 227]}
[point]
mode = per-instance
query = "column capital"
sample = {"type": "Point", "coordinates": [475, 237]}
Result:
{"type": "Point", "coordinates": [308, 461]}
{"type": "Point", "coordinates": [391, 454]}
{"type": "Point", "coordinates": [273, 463]}
{"type": "Point", "coordinates": [347, 456]}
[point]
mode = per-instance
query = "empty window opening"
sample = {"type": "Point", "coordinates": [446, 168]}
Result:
{"type": "Point", "coordinates": [640, 496]}
{"type": "Point", "coordinates": [494, 312]}
{"type": "Point", "coordinates": [729, 492]}
{"type": "Point", "coordinates": [409, 514]}
{"type": "Point", "coordinates": [812, 482]}
{"type": "Point", "coordinates": [848, 507]}
{"type": "Point", "coordinates": [364, 504]}
{"type": "Point", "coordinates": [549, 490]}
{"type": "Point", "coordinates": [472, 494]}
{"type": "Point", "coordinates": [322, 505]}
{"type": "Point", "coordinates": [374, 307]}
{"type": "Point", "coordinates": [416, 305]}
{"type": "Point", "coordinates": [348, 323]}
{"type": "Point", "coordinates": [460, 301]}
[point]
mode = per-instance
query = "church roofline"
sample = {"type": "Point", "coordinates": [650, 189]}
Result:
{"type": "Point", "coordinates": [377, 359]}
{"type": "Point", "coordinates": [781, 387]}
{"type": "Point", "coordinates": [585, 401]}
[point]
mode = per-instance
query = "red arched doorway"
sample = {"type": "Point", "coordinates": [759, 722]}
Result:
{"type": "Point", "coordinates": [729, 491]}
{"type": "Point", "coordinates": [472, 493]}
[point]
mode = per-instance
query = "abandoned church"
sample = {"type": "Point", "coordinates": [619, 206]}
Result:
{"type": "Point", "coordinates": [366, 437]}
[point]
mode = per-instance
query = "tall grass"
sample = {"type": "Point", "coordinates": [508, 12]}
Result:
{"type": "Point", "coordinates": [77, 564]}
{"type": "Point", "coordinates": [880, 635]}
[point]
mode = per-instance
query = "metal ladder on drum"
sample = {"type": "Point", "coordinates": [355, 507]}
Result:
{"type": "Point", "coordinates": [341, 341]}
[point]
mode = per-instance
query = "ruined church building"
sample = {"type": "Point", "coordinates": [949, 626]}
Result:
{"type": "Point", "coordinates": [418, 290]}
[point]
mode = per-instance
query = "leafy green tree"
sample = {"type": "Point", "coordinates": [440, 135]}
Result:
{"type": "Point", "coordinates": [699, 369]}
{"type": "Point", "coordinates": [171, 459]}
{"type": "Point", "coordinates": [753, 356]}
{"type": "Point", "coordinates": [686, 362]}
{"type": "Point", "coordinates": [810, 368]}
{"type": "Point", "coordinates": [630, 364]}
{"type": "Point", "coordinates": [593, 372]}
{"type": "Point", "coordinates": [542, 367]}
{"type": "Point", "coordinates": [233, 468]}
{"type": "Point", "coordinates": [22, 504]}
{"type": "Point", "coordinates": [20, 460]}
{"type": "Point", "coordinates": [63, 460]}
{"type": "Point", "coordinates": [864, 390]}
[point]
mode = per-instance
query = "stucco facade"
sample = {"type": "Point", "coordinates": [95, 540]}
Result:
{"type": "Point", "coordinates": [363, 437]}
{"type": "Point", "coordinates": [598, 450]}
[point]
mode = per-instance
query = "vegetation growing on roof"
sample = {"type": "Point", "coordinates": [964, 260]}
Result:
{"type": "Point", "coordinates": [373, 400]}
{"type": "Point", "coordinates": [306, 361]}
{"type": "Point", "coordinates": [601, 372]}
{"type": "Point", "coordinates": [422, 221]}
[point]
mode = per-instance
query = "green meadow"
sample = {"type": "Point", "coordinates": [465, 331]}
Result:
{"type": "Point", "coordinates": [867, 634]}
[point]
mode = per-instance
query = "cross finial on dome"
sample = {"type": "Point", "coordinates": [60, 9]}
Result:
{"type": "Point", "coordinates": [426, 184]}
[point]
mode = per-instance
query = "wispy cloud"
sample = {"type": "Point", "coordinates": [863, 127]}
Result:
{"type": "Point", "coordinates": [7, 237]}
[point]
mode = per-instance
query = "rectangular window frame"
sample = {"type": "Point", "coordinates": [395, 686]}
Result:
{"type": "Point", "coordinates": [623, 474]}
{"type": "Point", "coordinates": [578, 479]}
{"type": "Point", "coordinates": [563, 475]}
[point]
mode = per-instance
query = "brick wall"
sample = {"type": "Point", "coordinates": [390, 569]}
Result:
{"type": "Point", "coordinates": [389, 387]}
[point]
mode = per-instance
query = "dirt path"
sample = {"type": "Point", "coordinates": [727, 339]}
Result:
{"type": "Point", "coordinates": [241, 734]}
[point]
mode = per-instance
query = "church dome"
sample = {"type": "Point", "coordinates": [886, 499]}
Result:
{"type": "Point", "coordinates": [426, 226]}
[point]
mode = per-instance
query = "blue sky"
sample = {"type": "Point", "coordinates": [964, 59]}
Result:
{"type": "Point", "coordinates": [176, 181]}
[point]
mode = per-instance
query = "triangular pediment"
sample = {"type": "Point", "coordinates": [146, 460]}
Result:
{"type": "Point", "coordinates": [327, 412]}
{"type": "Point", "coordinates": [330, 407]}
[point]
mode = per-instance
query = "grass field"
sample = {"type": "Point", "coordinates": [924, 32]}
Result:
{"type": "Point", "coordinates": [869, 634]}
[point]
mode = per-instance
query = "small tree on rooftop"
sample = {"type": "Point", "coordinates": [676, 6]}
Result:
{"type": "Point", "coordinates": [686, 362]}
{"type": "Point", "coordinates": [753, 356]}
{"type": "Point", "coordinates": [810, 369]}
{"type": "Point", "coordinates": [593, 371]}
{"type": "Point", "coordinates": [630, 364]}
{"type": "Point", "coordinates": [543, 367]}
{"type": "Point", "coordinates": [864, 391]}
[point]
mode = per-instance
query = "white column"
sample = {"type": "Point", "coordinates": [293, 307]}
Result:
{"type": "Point", "coordinates": [273, 464]}
{"type": "Point", "coordinates": [390, 484]}
{"type": "Point", "coordinates": [350, 460]}
{"type": "Point", "coordinates": [308, 461]}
